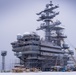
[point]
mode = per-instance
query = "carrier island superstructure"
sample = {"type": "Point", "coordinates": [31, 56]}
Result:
{"type": "Point", "coordinates": [35, 52]}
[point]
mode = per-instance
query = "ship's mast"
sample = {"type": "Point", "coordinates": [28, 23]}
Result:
{"type": "Point", "coordinates": [49, 26]}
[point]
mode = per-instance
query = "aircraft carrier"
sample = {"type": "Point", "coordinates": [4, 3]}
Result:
{"type": "Point", "coordinates": [44, 54]}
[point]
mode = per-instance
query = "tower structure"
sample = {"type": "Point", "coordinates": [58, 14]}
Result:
{"type": "Point", "coordinates": [53, 31]}
{"type": "Point", "coordinates": [44, 54]}
{"type": "Point", "coordinates": [3, 54]}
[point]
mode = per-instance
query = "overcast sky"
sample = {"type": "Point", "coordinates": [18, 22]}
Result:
{"type": "Point", "coordinates": [19, 16]}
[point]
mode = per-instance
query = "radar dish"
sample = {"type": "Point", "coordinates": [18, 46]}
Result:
{"type": "Point", "coordinates": [19, 36]}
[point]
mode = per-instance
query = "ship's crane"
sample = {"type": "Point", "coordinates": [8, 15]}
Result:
{"type": "Point", "coordinates": [74, 49]}
{"type": "Point", "coordinates": [70, 52]}
{"type": "Point", "coordinates": [73, 58]}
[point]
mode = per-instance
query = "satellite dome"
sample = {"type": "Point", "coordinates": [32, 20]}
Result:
{"type": "Point", "coordinates": [26, 33]}
{"type": "Point", "coordinates": [19, 36]}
